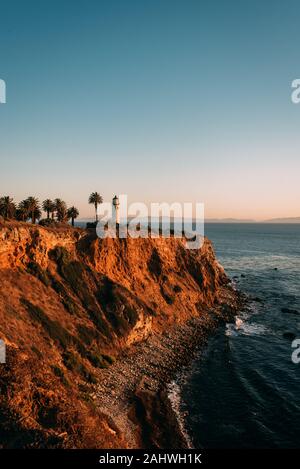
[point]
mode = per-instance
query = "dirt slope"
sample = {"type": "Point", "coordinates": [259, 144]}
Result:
{"type": "Point", "coordinates": [69, 305]}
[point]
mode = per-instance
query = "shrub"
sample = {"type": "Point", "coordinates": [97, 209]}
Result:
{"type": "Point", "coordinates": [72, 272]}
{"type": "Point", "coordinates": [60, 374]}
{"type": "Point", "coordinates": [48, 222]}
{"type": "Point", "coordinates": [86, 334]}
{"type": "Point", "coordinates": [97, 361]}
{"type": "Point", "coordinates": [37, 352]}
{"type": "Point", "coordinates": [131, 315]}
{"type": "Point", "coordinates": [58, 287]}
{"type": "Point", "coordinates": [68, 303]}
{"type": "Point", "coordinates": [117, 321]}
{"type": "Point", "coordinates": [168, 299]}
{"type": "Point", "coordinates": [99, 322]}
{"type": "Point", "coordinates": [106, 295]}
{"type": "Point", "coordinates": [108, 358]}
{"type": "Point", "coordinates": [57, 333]}
{"type": "Point", "coordinates": [73, 363]}
{"type": "Point", "coordinates": [69, 269]}
{"type": "Point", "coordinates": [53, 328]}
{"type": "Point", "coordinates": [35, 269]}
{"type": "Point", "coordinates": [113, 298]}
{"type": "Point", "coordinates": [155, 264]}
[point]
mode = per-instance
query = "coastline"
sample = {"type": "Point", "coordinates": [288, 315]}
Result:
{"type": "Point", "coordinates": [134, 393]}
{"type": "Point", "coordinates": [112, 322]}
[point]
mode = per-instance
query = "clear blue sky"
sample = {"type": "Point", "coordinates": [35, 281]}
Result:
{"type": "Point", "coordinates": [165, 100]}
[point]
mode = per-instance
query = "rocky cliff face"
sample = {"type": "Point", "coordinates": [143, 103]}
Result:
{"type": "Point", "coordinates": [69, 305]}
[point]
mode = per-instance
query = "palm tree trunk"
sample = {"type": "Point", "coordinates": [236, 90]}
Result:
{"type": "Point", "coordinates": [72, 221]}
{"type": "Point", "coordinates": [96, 206]}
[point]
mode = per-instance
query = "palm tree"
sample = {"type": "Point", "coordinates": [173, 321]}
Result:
{"type": "Point", "coordinates": [22, 212]}
{"type": "Point", "coordinates": [33, 206]}
{"type": "Point", "coordinates": [48, 207]}
{"type": "Point", "coordinates": [95, 199]}
{"type": "Point", "coordinates": [52, 211]}
{"type": "Point", "coordinates": [7, 207]}
{"type": "Point", "coordinates": [61, 210]}
{"type": "Point", "coordinates": [37, 214]}
{"type": "Point", "coordinates": [73, 213]}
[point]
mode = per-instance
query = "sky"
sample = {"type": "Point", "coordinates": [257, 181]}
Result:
{"type": "Point", "coordinates": [163, 100]}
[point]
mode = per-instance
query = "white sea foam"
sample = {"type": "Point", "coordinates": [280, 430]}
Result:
{"type": "Point", "coordinates": [242, 326]}
{"type": "Point", "coordinates": [174, 397]}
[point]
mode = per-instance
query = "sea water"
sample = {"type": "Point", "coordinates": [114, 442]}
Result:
{"type": "Point", "coordinates": [244, 390]}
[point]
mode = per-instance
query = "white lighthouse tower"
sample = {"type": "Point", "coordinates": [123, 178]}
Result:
{"type": "Point", "coordinates": [116, 210]}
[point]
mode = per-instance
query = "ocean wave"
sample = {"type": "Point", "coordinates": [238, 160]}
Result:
{"type": "Point", "coordinates": [241, 326]}
{"type": "Point", "coordinates": [174, 396]}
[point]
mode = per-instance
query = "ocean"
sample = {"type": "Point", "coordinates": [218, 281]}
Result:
{"type": "Point", "coordinates": [243, 391]}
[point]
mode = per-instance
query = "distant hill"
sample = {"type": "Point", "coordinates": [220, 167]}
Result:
{"type": "Point", "coordinates": [225, 220]}
{"type": "Point", "coordinates": [229, 220]}
{"type": "Point", "coordinates": [283, 220]}
{"type": "Point", "coordinates": [237, 220]}
{"type": "Point", "coordinates": [207, 220]}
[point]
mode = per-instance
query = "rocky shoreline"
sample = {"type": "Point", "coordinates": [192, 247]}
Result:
{"type": "Point", "coordinates": [133, 392]}
{"type": "Point", "coordinates": [70, 304]}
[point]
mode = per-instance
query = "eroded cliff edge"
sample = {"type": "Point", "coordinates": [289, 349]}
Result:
{"type": "Point", "coordinates": [72, 307]}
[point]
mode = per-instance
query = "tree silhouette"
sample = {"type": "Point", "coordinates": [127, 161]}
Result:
{"type": "Point", "coordinates": [22, 211]}
{"type": "Point", "coordinates": [33, 208]}
{"type": "Point", "coordinates": [7, 207]}
{"type": "Point", "coordinates": [95, 198]}
{"type": "Point", "coordinates": [61, 210]}
{"type": "Point", "coordinates": [73, 213]}
{"type": "Point", "coordinates": [49, 207]}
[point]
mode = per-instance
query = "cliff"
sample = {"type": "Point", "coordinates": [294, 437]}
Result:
{"type": "Point", "coordinates": [70, 304]}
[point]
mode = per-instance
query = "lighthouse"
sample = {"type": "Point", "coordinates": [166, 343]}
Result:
{"type": "Point", "coordinates": [116, 209]}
